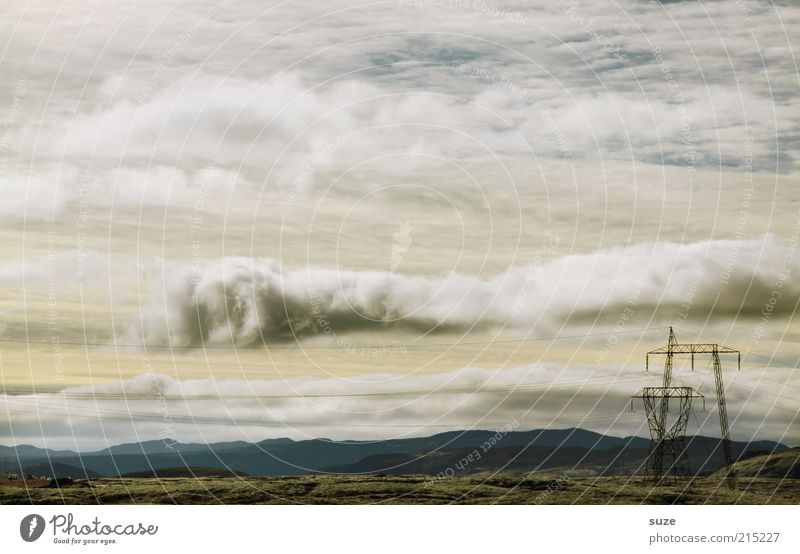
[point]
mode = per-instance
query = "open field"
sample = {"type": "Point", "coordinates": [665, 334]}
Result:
{"type": "Point", "coordinates": [402, 490]}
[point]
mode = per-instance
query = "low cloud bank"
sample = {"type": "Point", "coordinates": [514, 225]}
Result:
{"type": "Point", "coordinates": [245, 301]}
{"type": "Point", "coordinates": [149, 406]}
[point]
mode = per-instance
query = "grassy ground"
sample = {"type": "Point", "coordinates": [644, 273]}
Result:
{"type": "Point", "coordinates": [403, 490]}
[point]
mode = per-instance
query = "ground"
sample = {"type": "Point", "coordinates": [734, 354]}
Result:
{"type": "Point", "coordinates": [402, 490]}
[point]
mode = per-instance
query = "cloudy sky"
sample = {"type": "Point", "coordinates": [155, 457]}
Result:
{"type": "Point", "coordinates": [315, 202]}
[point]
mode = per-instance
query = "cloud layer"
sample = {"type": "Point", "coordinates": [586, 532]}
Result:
{"type": "Point", "coordinates": [536, 396]}
{"type": "Point", "coordinates": [258, 91]}
{"type": "Point", "coordinates": [251, 301]}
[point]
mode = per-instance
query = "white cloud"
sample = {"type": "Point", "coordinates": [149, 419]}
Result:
{"type": "Point", "coordinates": [61, 268]}
{"type": "Point", "coordinates": [235, 93]}
{"type": "Point", "coordinates": [537, 396]}
{"type": "Point", "coordinates": [37, 194]}
{"type": "Point", "coordinates": [247, 301]}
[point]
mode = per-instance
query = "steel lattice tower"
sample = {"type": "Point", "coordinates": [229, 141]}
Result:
{"type": "Point", "coordinates": [667, 455]}
{"type": "Point", "coordinates": [667, 441]}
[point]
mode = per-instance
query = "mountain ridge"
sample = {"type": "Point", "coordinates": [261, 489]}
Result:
{"type": "Point", "coordinates": [517, 451]}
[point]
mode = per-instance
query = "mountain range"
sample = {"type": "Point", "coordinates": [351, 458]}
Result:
{"type": "Point", "coordinates": [455, 452]}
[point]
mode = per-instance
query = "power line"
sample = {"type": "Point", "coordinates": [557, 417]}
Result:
{"type": "Point", "coordinates": [245, 422]}
{"type": "Point", "coordinates": [523, 387]}
{"type": "Point", "coordinates": [771, 406]}
{"type": "Point", "coordinates": [300, 347]}
{"type": "Point", "coordinates": [772, 362]}
{"type": "Point", "coordinates": [748, 355]}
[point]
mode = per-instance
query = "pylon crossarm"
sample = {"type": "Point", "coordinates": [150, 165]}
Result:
{"type": "Point", "coordinates": [694, 348]}
{"type": "Point", "coordinates": [667, 392]}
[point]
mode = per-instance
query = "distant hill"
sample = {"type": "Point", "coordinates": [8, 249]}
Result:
{"type": "Point", "coordinates": [26, 451]}
{"type": "Point", "coordinates": [785, 464]}
{"type": "Point", "coordinates": [521, 451]}
{"type": "Point", "coordinates": [171, 472]}
{"type": "Point", "coordinates": [705, 456]}
{"type": "Point", "coordinates": [167, 446]}
{"type": "Point", "coordinates": [57, 470]}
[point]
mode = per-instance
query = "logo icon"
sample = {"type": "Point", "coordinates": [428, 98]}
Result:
{"type": "Point", "coordinates": [402, 242]}
{"type": "Point", "coordinates": [31, 527]}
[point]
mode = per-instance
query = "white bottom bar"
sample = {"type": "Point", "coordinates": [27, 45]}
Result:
{"type": "Point", "coordinates": [404, 529]}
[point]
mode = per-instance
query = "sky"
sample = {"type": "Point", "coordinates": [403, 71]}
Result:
{"type": "Point", "coordinates": [318, 203]}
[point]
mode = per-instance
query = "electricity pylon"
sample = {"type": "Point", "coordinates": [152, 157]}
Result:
{"type": "Point", "coordinates": [668, 444]}
{"type": "Point", "coordinates": [658, 428]}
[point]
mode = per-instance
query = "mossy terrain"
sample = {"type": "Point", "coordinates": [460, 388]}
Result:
{"type": "Point", "coordinates": [403, 490]}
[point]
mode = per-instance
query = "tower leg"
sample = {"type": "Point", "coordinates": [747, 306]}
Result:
{"type": "Point", "coordinates": [730, 475]}
{"type": "Point", "coordinates": [667, 459]}
{"type": "Point", "coordinates": [671, 342]}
